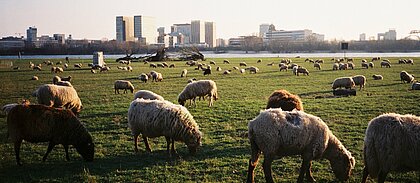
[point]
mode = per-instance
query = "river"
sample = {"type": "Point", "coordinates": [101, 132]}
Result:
{"type": "Point", "coordinates": [240, 54]}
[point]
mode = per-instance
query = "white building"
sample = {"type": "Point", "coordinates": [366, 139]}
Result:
{"type": "Point", "coordinates": [293, 35]}
{"type": "Point", "coordinates": [390, 35]}
{"type": "Point", "coordinates": [221, 42]}
{"type": "Point", "coordinates": [145, 29]}
{"type": "Point", "coordinates": [182, 32]}
{"type": "Point", "coordinates": [210, 34]}
{"type": "Point", "coordinates": [124, 28]}
{"type": "Point", "coordinates": [197, 32]}
{"type": "Point", "coordinates": [264, 29]}
{"type": "Point", "coordinates": [362, 37]}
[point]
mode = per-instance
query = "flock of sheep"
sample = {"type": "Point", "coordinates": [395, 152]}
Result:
{"type": "Point", "coordinates": [392, 141]}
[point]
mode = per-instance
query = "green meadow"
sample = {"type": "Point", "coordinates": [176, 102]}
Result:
{"type": "Point", "coordinates": [225, 150]}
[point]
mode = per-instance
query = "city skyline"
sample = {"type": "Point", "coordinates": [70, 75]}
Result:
{"type": "Point", "coordinates": [96, 19]}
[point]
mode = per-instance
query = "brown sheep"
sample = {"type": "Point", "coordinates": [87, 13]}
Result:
{"type": "Point", "coordinates": [284, 100]}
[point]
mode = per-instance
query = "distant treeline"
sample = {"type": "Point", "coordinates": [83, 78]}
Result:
{"type": "Point", "coordinates": [111, 47]}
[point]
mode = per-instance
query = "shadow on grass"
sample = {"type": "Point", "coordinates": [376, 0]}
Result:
{"type": "Point", "coordinates": [314, 93]}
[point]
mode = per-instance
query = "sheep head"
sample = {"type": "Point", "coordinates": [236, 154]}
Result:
{"type": "Point", "coordinates": [342, 165]}
{"type": "Point", "coordinates": [85, 147]}
{"type": "Point", "coordinates": [194, 142]}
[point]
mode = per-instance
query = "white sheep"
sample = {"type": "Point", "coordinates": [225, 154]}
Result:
{"type": "Point", "coordinates": [56, 79]}
{"type": "Point", "coordinates": [155, 118]}
{"type": "Point", "coordinates": [276, 134]}
{"type": "Point", "coordinates": [346, 82]}
{"type": "Point", "coordinates": [200, 88]}
{"type": "Point", "coordinates": [405, 77]}
{"type": "Point", "coordinates": [34, 78]}
{"type": "Point", "coordinates": [335, 66]}
{"type": "Point", "coordinates": [371, 65]}
{"type": "Point", "coordinates": [104, 69]}
{"type": "Point", "coordinates": [218, 69]}
{"type": "Point", "coordinates": [359, 80]}
{"type": "Point", "coordinates": [377, 77]}
{"type": "Point", "coordinates": [226, 72]}
{"type": "Point", "coordinates": [146, 94]}
{"type": "Point", "coordinates": [242, 71]}
{"type": "Point", "coordinates": [58, 96]}
{"type": "Point", "coordinates": [350, 65]}
{"type": "Point", "coordinates": [365, 65]}
{"type": "Point", "coordinates": [242, 64]}
{"type": "Point", "coordinates": [143, 77]}
{"type": "Point", "coordinates": [343, 66]}
{"type": "Point", "coordinates": [123, 85]}
{"type": "Point", "coordinates": [156, 76]}
{"type": "Point", "coordinates": [64, 83]}
{"type": "Point", "coordinates": [184, 73]}
{"type": "Point", "coordinates": [392, 144]}
{"type": "Point", "coordinates": [317, 65]}
{"type": "Point", "coordinates": [386, 64]}
{"type": "Point", "coordinates": [253, 69]}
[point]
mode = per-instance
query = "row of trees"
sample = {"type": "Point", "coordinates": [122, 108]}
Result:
{"type": "Point", "coordinates": [249, 44]}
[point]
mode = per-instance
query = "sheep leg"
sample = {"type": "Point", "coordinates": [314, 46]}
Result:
{"type": "Point", "coordinates": [17, 151]}
{"type": "Point", "coordinates": [50, 147]}
{"type": "Point", "coordinates": [253, 161]}
{"type": "Point", "coordinates": [365, 174]}
{"type": "Point", "coordinates": [304, 169]}
{"type": "Point", "coordinates": [195, 104]}
{"type": "Point", "coordinates": [268, 159]}
{"type": "Point", "coordinates": [147, 144]}
{"type": "Point", "coordinates": [171, 142]}
{"type": "Point", "coordinates": [382, 176]}
{"type": "Point", "coordinates": [66, 149]}
{"type": "Point", "coordinates": [309, 176]}
{"type": "Point", "coordinates": [136, 149]}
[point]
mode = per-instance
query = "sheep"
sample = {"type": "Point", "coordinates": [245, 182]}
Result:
{"type": "Point", "coordinates": [319, 61]}
{"type": "Point", "coordinates": [293, 65]}
{"type": "Point", "coordinates": [376, 58]}
{"type": "Point", "coordinates": [242, 71]}
{"type": "Point", "coordinates": [34, 78]}
{"type": "Point", "coordinates": [343, 66]}
{"type": "Point", "coordinates": [385, 64]}
{"type": "Point", "coordinates": [350, 65]}
{"type": "Point", "coordinates": [152, 65]}
{"type": "Point", "coordinates": [199, 88]}
{"type": "Point", "coordinates": [160, 65]}
{"type": "Point", "coordinates": [212, 62]}
{"type": "Point", "coordinates": [92, 71]}
{"type": "Point", "coordinates": [123, 84]}
{"type": "Point", "coordinates": [64, 83]}
{"type": "Point", "coordinates": [302, 70]}
{"type": "Point", "coordinates": [66, 65]}
{"type": "Point", "coordinates": [335, 66]}
{"type": "Point", "coordinates": [284, 100]}
{"type": "Point", "coordinates": [226, 62]}
{"type": "Point", "coordinates": [365, 65]}
{"type": "Point", "coordinates": [226, 72]}
{"type": "Point", "coordinates": [218, 69]}
{"type": "Point", "coordinates": [317, 65]}
{"type": "Point", "coordinates": [377, 77]}
{"type": "Point", "coordinates": [165, 64]}
{"type": "Point", "coordinates": [259, 61]}
{"type": "Point", "coordinates": [78, 65]}
{"type": "Point", "coordinates": [371, 64]}
{"type": "Point", "coordinates": [184, 73]}
{"type": "Point", "coordinates": [156, 76]}
{"type": "Point", "coordinates": [207, 71]}
{"type": "Point", "coordinates": [415, 86]}
{"type": "Point", "coordinates": [276, 133]}
{"type": "Point", "coordinates": [154, 118]}
{"type": "Point", "coordinates": [252, 69]}
{"type": "Point", "coordinates": [143, 77]}
{"type": "Point", "coordinates": [236, 68]}
{"type": "Point", "coordinates": [294, 70]}
{"type": "Point", "coordinates": [104, 69]}
{"type": "Point", "coordinates": [172, 66]}
{"type": "Point", "coordinates": [39, 123]}
{"type": "Point", "coordinates": [146, 94]}
{"type": "Point", "coordinates": [129, 68]}
{"type": "Point", "coordinates": [53, 69]}
{"type": "Point", "coordinates": [391, 144]}
{"type": "Point", "coordinates": [346, 82]}
{"type": "Point", "coordinates": [58, 96]}
{"type": "Point", "coordinates": [37, 68]}
{"type": "Point", "coordinates": [364, 60]}
{"type": "Point", "coordinates": [410, 61]}
{"type": "Point", "coordinates": [6, 108]}
{"type": "Point", "coordinates": [56, 79]}
{"type": "Point", "coordinates": [31, 65]}
{"type": "Point", "coordinates": [359, 80]}
{"type": "Point", "coordinates": [405, 77]}
{"type": "Point", "coordinates": [283, 67]}
{"type": "Point", "coordinates": [242, 64]}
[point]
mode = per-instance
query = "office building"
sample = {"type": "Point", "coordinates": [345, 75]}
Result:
{"type": "Point", "coordinates": [145, 29]}
{"type": "Point", "coordinates": [362, 37]}
{"type": "Point", "coordinates": [293, 35]}
{"type": "Point", "coordinates": [61, 38]}
{"type": "Point", "coordinates": [182, 32]}
{"type": "Point", "coordinates": [124, 28]}
{"type": "Point", "coordinates": [264, 29]}
{"type": "Point", "coordinates": [31, 34]}
{"type": "Point", "coordinates": [161, 35]}
{"type": "Point", "coordinates": [391, 35]}
{"type": "Point", "coordinates": [197, 32]}
{"type": "Point", "coordinates": [210, 34]}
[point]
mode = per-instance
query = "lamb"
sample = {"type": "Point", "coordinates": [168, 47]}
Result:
{"type": "Point", "coordinates": [39, 123]}
{"type": "Point", "coordinates": [346, 82]}
{"type": "Point", "coordinates": [154, 118]}
{"type": "Point", "coordinates": [385, 64]}
{"type": "Point", "coordinates": [276, 133]}
{"type": "Point", "coordinates": [200, 88]}
{"type": "Point", "coordinates": [377, 77]}
{"type": "Point", "coordinates": [143, 77]}
{"type": "Point", "coordinates": [359, 80]}
{"type": "Point", "coordinates": [146, 94]}
{"type": "Point", "coordinates": [58, 96]}
{"type": "Point", "coordinates": [184, 73]}
{"type": "Point", "coordinates": [302, 70]}
{"type": "Point", "coordinates": [415, 86]}
{"type": "Point", "coordinates": [405, 77]}
{"type": "Point", "coordinates": [284, 100]}
{"type": "Point", "coordinates": [392, 144]}
{"type": "Point", "coordinates": [242, 64]}
{"type": "Point", "coordinates": [317, 65]}
{"type": "Point", "coordinates": [371, 64]}
{"type": "Point", "coordinates": [335, 66]}
{"type": "Point", "coordinates": [123, 84]}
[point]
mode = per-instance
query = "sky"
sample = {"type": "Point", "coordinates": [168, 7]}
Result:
{"type": "Point", "coordinates": [95, 19]}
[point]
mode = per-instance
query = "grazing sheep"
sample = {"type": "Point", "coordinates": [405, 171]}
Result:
{"type": "Point", "coordinates": [293, 65]}
{"type": "Point", "coordinates": [392, 144]}
{"type": "Point", "coordinates": [385, 64]}
{"type": "Point", "coordinates": [415, 86]}
{"type": "Point", "coordinates": [154, 118]}
{"type": "Point", "coordinates": [376, 58]}
{"type": "Point", "coordinates": [212, 62]}
{"type": "Point", "coordinates": [259, 61]}
{"type": "Point", "coordinates": [93, 71]}
{"type": "Point", "coordinates": [284, 100]}
{"type": "Point", "coordinates": [105, 69]}
{"type": "Point", "coordinates": [207, 71]}
{"type": "Point", "coordinates": [64, 83]}
{"type": "Point", "coordinates": [156, 76]}
{"type": "Point", "coordinates": [184, 73]}
{"type": "Point", "coordinates": [276, 134]}
{"type": "Point", "coordinates": [377, 77]}
{"type": "Point", "coordinates": [152, 65]}
{"type": "Point", "coordinates": [346, 82]}
{"type": "Point", "coordinates": [343, 66]}
{"type": "Point", "coordinates": [199, 88]}
{"type": "Point", "coordinates": [78, 65]}
{"type": "Point", "coordinates": [218, 69]}
{"type": "Point", "coordinates": [160, 65]}
{"type": "Point", "coordinates": [39, 123]}
{"type": "Point", "coordinates": [283, 67]}
{"type": "Point", "coordinates": [252, 69]}
{"type": "Point", "coordinates": [236, 68]}
{"type": "Point", "coordinates": [242, 64]}
{"type": "Point", "coordinates": [294, 70]}
{"type": "Point", "coordinates": [129, 68]}
{"type": "Point", "coordinates": [143, 77]}
{"type": "Point", "coordinates": [319, 61]}
{"type": "Point", "coordinates": [56, 79]}
{"type": "Point", "coordinates": [226, 72]}
{"type": "Point", "coordinates": [371, 64]}
{"type": "Point", "coordinates": [58, 96]}
{"type": "Point", "coordinates": [53, 69]}
{"type": "Point", "coordinates": [172, 66]}
{"type": "Point", "coordinates": [37, 68]}
{"type": "Point", "coordinates": [344, 92]}
{"type": "Point", "coordinates": [242, 71]}
{"type": "Point", "coordinates": [146, 94]}
{"type": "Point", "coordinates": [359, 80]}
{"type": "Point", "coordinates": [405, 77]}
{"type": "Point", "coordinates": [34, 78]}
{"type": "Point", "coordinates": [226, 62]}
{"type": "Point", "coordinates": [365, 65]}
{"type": "Point", "coordinates": [317, 65]}
{"type": "Point", "coordinates": [335, 66]}
{"type": "Point", "coordinates": [66, 66]}
{"type": "Point", "coordinates": [364, 60]}
{"type": "Point", "coordinates": [410, 61]}
{"type": "Point", "coordinates": [302, 70]}
{"type": "Point", "coordinates": [123, 85]}
{"type": "Point", "coordinates": [31, 65]}
{"type": "Point", "coordinates": [350, 65]}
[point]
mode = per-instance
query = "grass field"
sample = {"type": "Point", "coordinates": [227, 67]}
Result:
{"type": "Point", "coordinates": [225, 149]}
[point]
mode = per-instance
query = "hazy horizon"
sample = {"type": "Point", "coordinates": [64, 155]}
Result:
{"type": "Point", "coordinates": [95, 19]}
